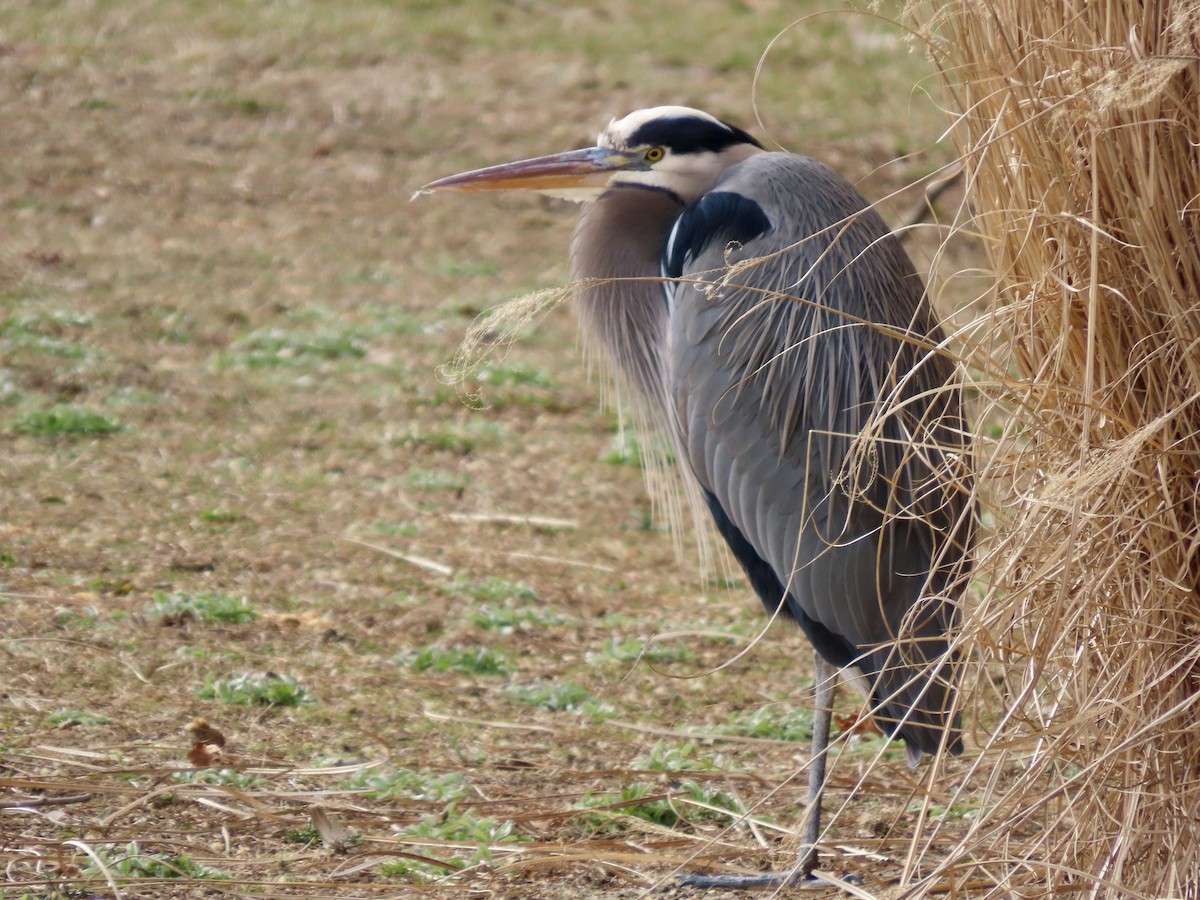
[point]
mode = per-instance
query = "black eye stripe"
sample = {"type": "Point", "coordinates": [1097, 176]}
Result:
{"type": "Point", "coordinates": [689, 134]}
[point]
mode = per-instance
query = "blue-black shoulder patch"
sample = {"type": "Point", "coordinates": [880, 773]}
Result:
{"type": "Point", "coordinates": [718, 216]}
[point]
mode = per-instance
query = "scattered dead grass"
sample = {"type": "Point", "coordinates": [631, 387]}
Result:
{"type": "Point", "coordinates": [1079, 128]}
{"type": "Point", "coordinates": [208, 241]}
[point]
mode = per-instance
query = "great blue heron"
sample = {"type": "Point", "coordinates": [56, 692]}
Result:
{"type": "Point", "coordinates": [775, 330]}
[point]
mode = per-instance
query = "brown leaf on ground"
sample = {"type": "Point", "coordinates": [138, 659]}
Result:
{"type": "Point", "coordinates": [853, 724]}
{"type": "Point", "coordinates": [204, 755]}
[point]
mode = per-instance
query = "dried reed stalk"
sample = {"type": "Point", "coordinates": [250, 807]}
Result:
{"type": "Point", "coordinates": [1080, 126]}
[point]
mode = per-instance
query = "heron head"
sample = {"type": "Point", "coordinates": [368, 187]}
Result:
{"type": "Point", "coordinates": [672, 148]}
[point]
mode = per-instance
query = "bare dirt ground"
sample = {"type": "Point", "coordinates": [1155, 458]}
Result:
{"type": "Point", "coordinates": [235, 487]}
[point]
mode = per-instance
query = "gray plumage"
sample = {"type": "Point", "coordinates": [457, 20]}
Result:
{"type": "Point", "coordinates": [760, 316]}
{"type": "Point", "coordinates": [620, 241]}
{"type": "Point", "coordinates": [781, 379]}
{"type": "Point", "coordinates": [784, 376]}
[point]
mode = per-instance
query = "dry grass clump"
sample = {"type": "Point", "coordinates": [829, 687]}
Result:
{"type": "Point", "coordinates": [1080, 127]}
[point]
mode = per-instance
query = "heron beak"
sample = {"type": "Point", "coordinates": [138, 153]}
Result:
{"type": "Point", "coordinates": [587, 169]}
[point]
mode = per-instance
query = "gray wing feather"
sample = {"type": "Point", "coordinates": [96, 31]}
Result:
{"type": "Point", "coordinates": [772, 395]}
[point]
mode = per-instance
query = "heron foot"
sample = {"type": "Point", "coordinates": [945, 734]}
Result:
{"type": "Point", "coordinates": [749, 882]}
{"type": "Point", "coordinates": [793, 878]}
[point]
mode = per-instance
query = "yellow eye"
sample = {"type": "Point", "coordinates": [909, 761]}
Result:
{"type": "Point", "coordinates": [654, 154]}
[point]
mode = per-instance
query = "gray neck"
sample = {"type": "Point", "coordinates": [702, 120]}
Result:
{"type": "Point", "coordinates": [621, 235]}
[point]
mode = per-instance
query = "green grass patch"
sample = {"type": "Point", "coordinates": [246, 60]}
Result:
{"type": "Point", "coordinates": [251, 106]}
{"type": "Point", "coordinates": [687, 757]}
{"type": "Point", "coordinates": [466, 268]}
{"type": "Point", "coordinates": [218, 516]}
{"type": "Point", "coordinates": [309, 836]}
{"type": "Point", "coordinates": [388, 781]}
{"type": "Point", "coordinates": [68, 717]}
{"type": "Point", "coordinates": [508, 620]}
{"type": "Point", "coordinates": [80, 619]}
{"type": "Point", "coordinates": [513, 375]}
{"type": "Point", "coordinates": [382, 275]}
{"type": "Point", "coordinates": [451, 825]}
{"type": "Point", "coordinates": [396, 529]}
{"type": "Point", "coordinates": [256, 689]}
{"type": "Point", "coordinates": [610, 812]}
{"type": "Point", "coordinates": [623, 450]}
{"type": "Point", "coordinates": [632, 649]}
{"type": "Point", "coordinates": [130, 862]}
{"type": "Point", "coordinates": [558, 696]}
{"type": "Point", "coordinates": [387, 321]}
{"type": "Point", "coordinates": [205, 606]}
{"type": "Point", "coordinates": [281, 347]}
{"type": "Point", "coordinates": [955, 811]}
{"type": "Point", "coordinates": [435, 480]}
{"type": "Point", "coordinates": [501, 385]}
{"type": "Point", "coordinates": [66, 420]}
{"type": "Point", "coordinates": [225, 777]}
{"type": "Point", "coordinates": [778, 722]}
{"type": "Point", "coordinates": [46, 333]}
{"type": "Point", "coordinates": [491, 589]}
{"type": "Point", "coordinates": [457, 438]}
{"type": "Point", "coordinates": [471, 660]}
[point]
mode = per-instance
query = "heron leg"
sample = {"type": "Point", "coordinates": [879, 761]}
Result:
{"type": "Point", "coordinates": [801, 874]}
{"type": "Point", "coordinates": [826, 685]}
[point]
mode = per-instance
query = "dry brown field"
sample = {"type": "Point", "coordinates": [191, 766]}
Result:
{"type": "Point", "coordinates": [448, 645]}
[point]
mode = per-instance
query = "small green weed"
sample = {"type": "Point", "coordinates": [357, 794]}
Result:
{"type": "Point", "coordinates": [412, 871]}
{"type": "Point", "coordinates": [623, 450]}
{"type": "Point", "coordinates": [564, 696]}
{"type": "Point", "coordinates": [453, 826]}
{"type": "Point", "coordinates": [219, 516]}
{"type": "Point", "coordinates": [665, 757]}
{"type": "Point", "coordinates": [511, 375]}
{"type": "Point", "coordinates": [250, 106]}
{"type": "Point", "coordinates": [606, 812]}
{"type": "Point", "coordinates": [79, 619]}
{"type": "Point", "coordinates": [131, 862]}
{"type": "Point", "coordinates": [205, 606]}
{"type": "Point", "coordinates": [396, 529]}
{"type": "Point", "coordinates": [956, 811]}
{"type": "Point", "coordinates": [435, 480]}
{"type": "Point", "coordinates": [386, 781]}
{"type": "Point", "coordinates": [493, 589]}
{"type": "Point", "coordinates": [472, 660]}
{"type": "Point", "coordinates": [454, 438]}
{"type": "Point", "coordinates": [309, 836]}
{"type": "Point", "coordinates": [470, 268]}
{"type": "Point", "coordinates": [617, 649]}
{"type": "Point", "coordinates": [507, 620]}
{"type": "Point", "coordinates": [60, 718]}
{"type": "Point", "coordinates": [607, 809]}
{"type": "Point", "coordinates": [44, 333]}
{"type": "Point", "coordinates": [226, 777]}
{"type": "Point", "coordinates": [66, 420]}
{"type": "Point", "coordinates": [256, 688]}
{"type": "Point", "coordinates": [387, 321]}
{"type": "Point", "coordinates": [279, 347]}
{"type": "Point", "coordinates": [777, 722]}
